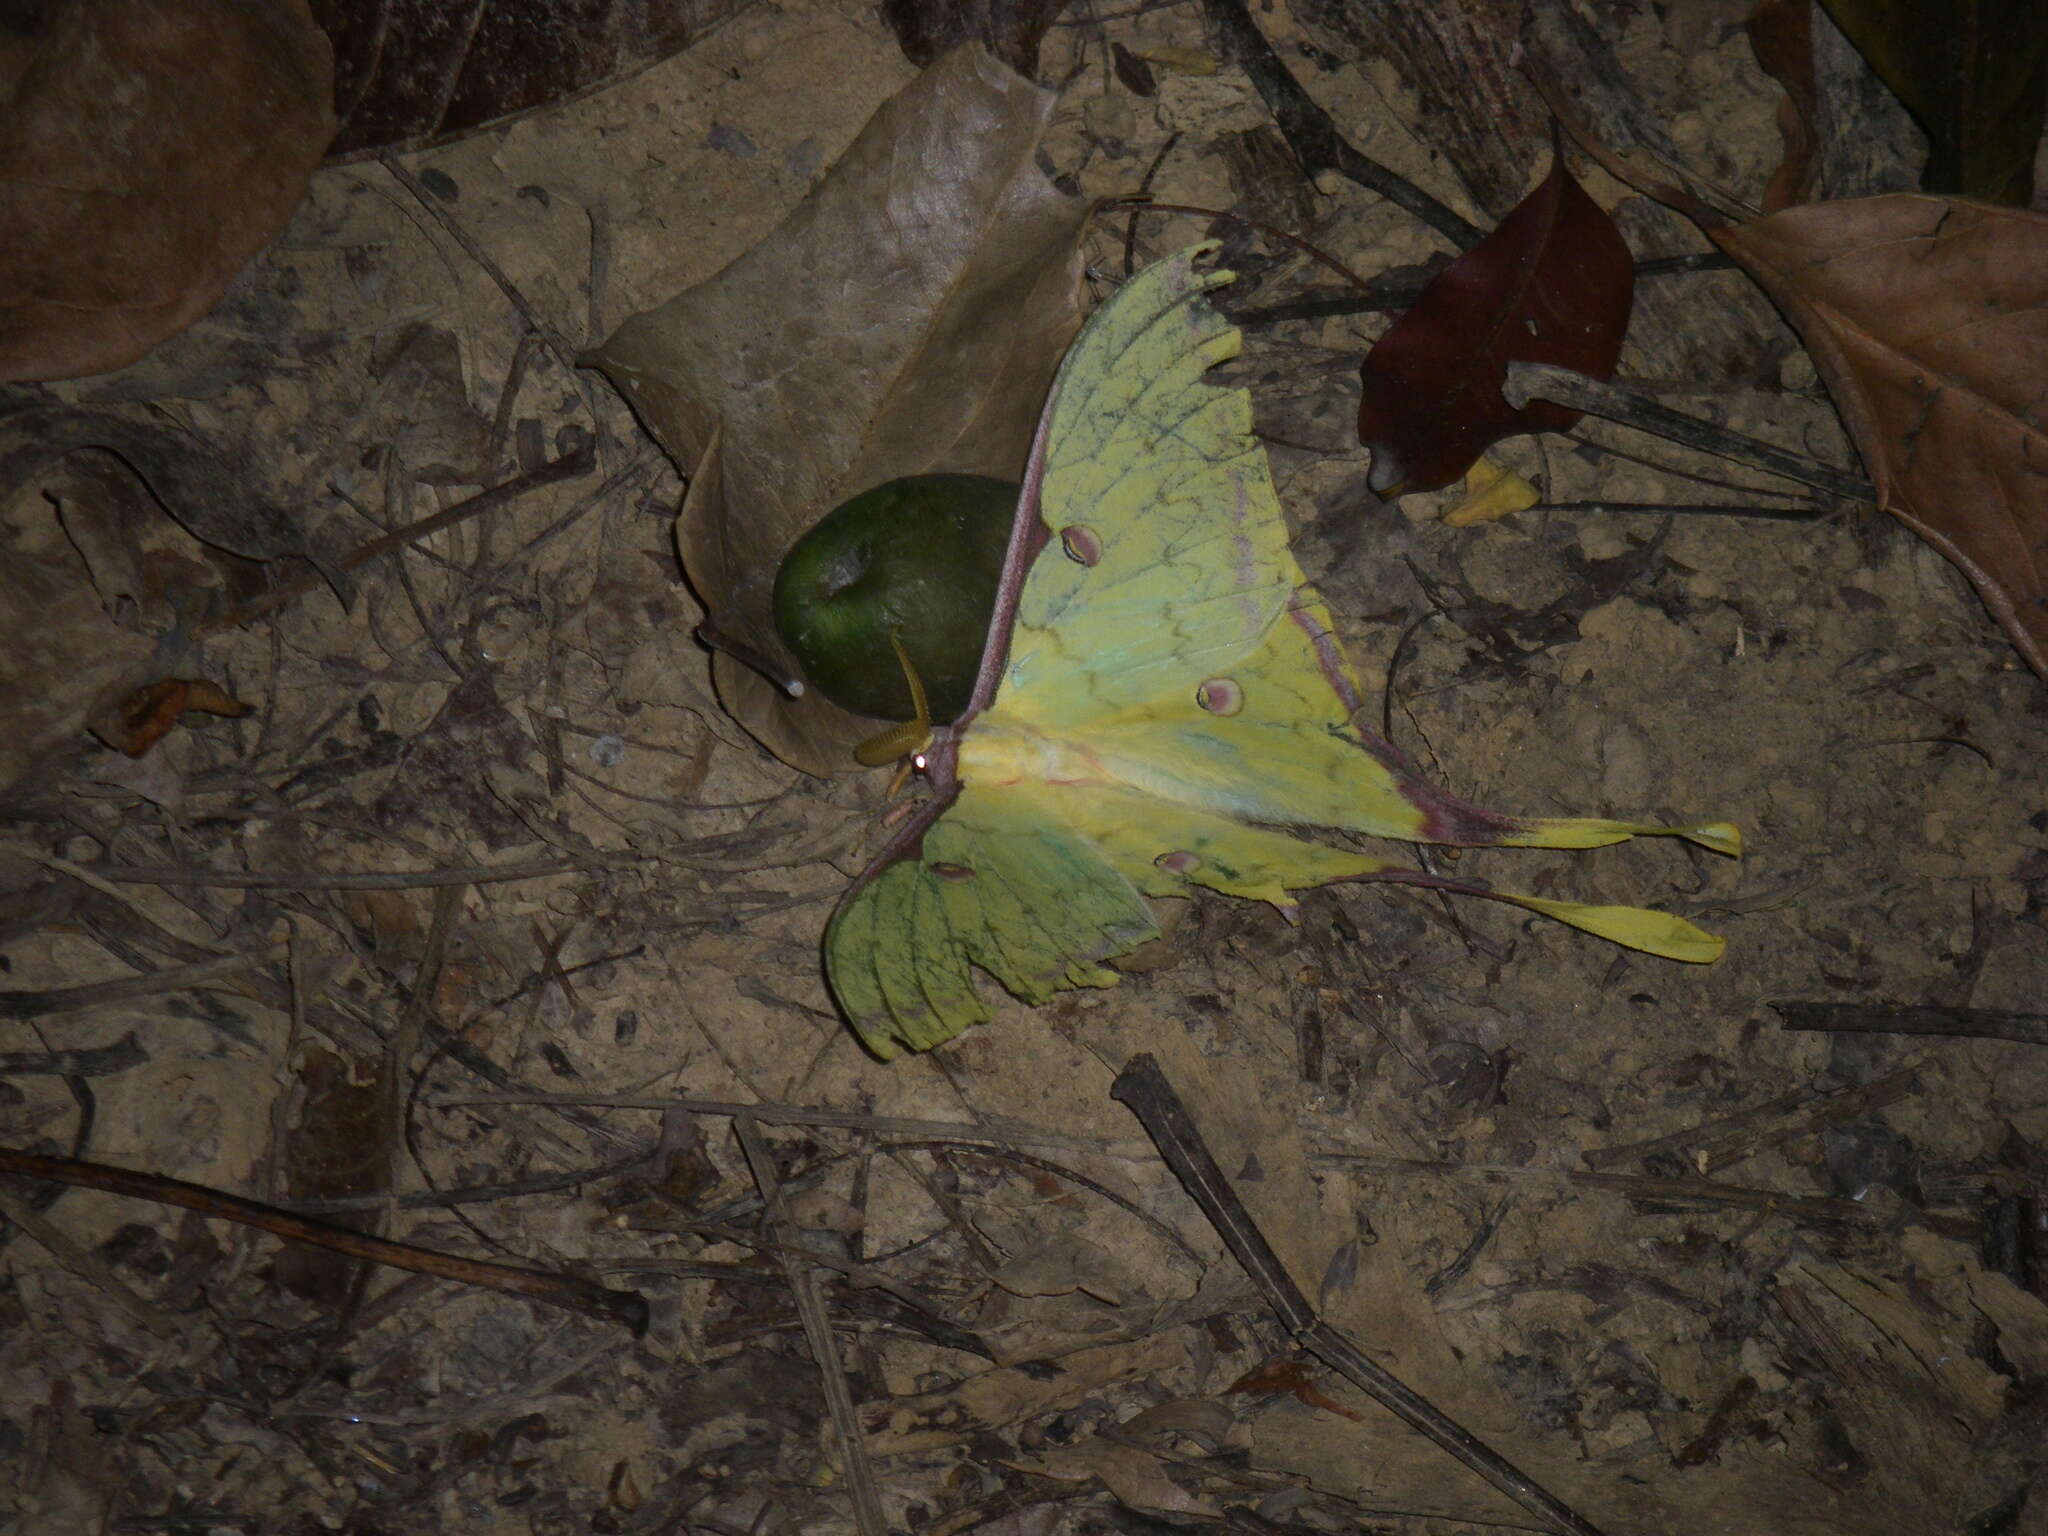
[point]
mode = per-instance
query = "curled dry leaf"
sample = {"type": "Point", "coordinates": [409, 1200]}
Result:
{"type": "Point", "coordinates": [1781, 37]}
{"type": "Point", "coordinates": [894, 324]}
{"type": "Point", "coordinates": [141, 719]}
{"type": "Point", "coordinates": [1552, 284]}
{"type": "Point", "coordinates": [1289, 1375]}
{"type": "Point", "coordinates": [1928, 317]}
{"type": "Point", "coordinates": [1135, 1477]}
{"type": "Point", "coordinates": [202, 488]}
{"type": "Point", "coordinates": [148, 149]}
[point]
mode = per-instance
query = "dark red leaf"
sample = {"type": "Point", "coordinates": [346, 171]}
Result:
{"type": "Point", "coordinates": [1552, 284]}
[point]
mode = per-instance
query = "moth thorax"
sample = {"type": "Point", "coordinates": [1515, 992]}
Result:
{"type": "Point", "coordinates": [997, 750]}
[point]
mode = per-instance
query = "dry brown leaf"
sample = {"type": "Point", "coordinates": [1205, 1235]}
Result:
{"type": "Point", "coordinates": [1136, 1477]}
{"type": "Point", "coordinates": [894, 324]}
{"type": "Point", "coordinates": [148, 148]}
{"type": "Point", "coordinates": [1200, 1419]}
{"type": "Point", "coordinates": [1928, 317]}
{"type": "Point", "coordinates": [1061, 1267]}
{"type": "Point", "coordinates": [1781, 37]}
{"type": "Point", "coordinates": [144, 716]}
{"type": "Point", "coordinates": [951, 1416]}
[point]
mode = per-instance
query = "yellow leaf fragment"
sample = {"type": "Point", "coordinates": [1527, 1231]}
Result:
{"type": "Point", "coordinates": [1491, 493]}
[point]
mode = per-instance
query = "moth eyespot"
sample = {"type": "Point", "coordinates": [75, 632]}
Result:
{"type": "Point", "coordinates": [1179, 862]}
{"type": "Point", "coordinates": [1220, 696]}
{"type": "Point", "coordinates": [954, 872]}
{"type": "Point", "coordinates": [1082, 544]}
{"type": "Point", "coordinates": [919, 762]}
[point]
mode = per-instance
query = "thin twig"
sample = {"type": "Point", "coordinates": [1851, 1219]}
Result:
{"type": "Point", "coordinates": [557, 343]}
{"type": "Point", "coordinates": [34, 1003]}
{"type": "Point", "coordinates": [1545, 381]}
{"type": "Point", "coordinates": [113, 892]}
{"type": "Point", "coordinates": [810, 1306]}
{"type": "Point", "coordinates": [103, 1061]}
{"type": "Point", "coordinates": [404, 1044]}
{"type": "Point", "coordinates": [1392, 291]}
{"type": "Point", "coordinates": [1123, 1203]}
{"type": "Point", "coordinates": [1631, 1186]}
{"type": "Point", "coordinates": [1915, 1019]}
{"type": "Point", "coordinates": [87, 1265]}
{"type": "Point", "coordinates": [1723, 1143]}
{"type": "Point", "coordinates": [1312, 135]}
{"type": "Point", "coordinates": [1143, 197]}
{"type": "Point", "coordinates": [580, 458]}
{"type": "Point", "coordinates": [859, 1277]}
{"type": "Point", "coordinates": [474, 1194]}
{"type": "Point", "coordinates": [317, 880]}
{"type": "Point", "coordinates": [1689, 509]}
{"type": "Point", "coordinates": [990, 1132]}
{"type": "Point", "coordinates": [627, 1307]}
{"type": "Point", "coordinates": [1143, 1088]}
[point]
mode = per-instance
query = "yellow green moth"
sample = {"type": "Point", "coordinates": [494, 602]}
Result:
{"type": "Point", "coordinates": [1162, 694]}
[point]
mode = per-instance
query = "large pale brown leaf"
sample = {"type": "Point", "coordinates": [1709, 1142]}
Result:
{"type": "Point", "coordinates": [148, 148]}
{"type": "Point", "coordinates": [906, 317]}
{"type": "Point", "coordinates": [1928, 317]}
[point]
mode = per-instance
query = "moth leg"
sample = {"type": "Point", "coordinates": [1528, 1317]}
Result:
{"type": "Point", "coordinates": [912, 736]}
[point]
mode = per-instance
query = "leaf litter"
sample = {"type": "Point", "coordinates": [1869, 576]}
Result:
{"type": "Point", "coordinates": [641, 891]}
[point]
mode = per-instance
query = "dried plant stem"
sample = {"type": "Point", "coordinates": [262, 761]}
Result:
{"type": "Point", "coordinates": [810, 1306]}
{"type": "Point", "coordinates": [989, 1132]}
{"type": "Point", "coordinates": [87, 1266]}
{"type": "Point", "coordinates": [34, 1003]}
{"type": "Point", "coordinates": [317, 880]}
{"type": "Point", "coordinates": [1397, 291]}
{"type": "Point", "coordinates": [627, 1307]}
{"type": "Point", "coordinates": [1545, 381]}
{"type": "Point", "coordinates": [1688, 509]}
{"type": "Point", "coordinates": [1312, 135]}
{"type": "Point", "coordinates": [557, 343]}
{"type": "Point", "coordinates": [1784, 1118]}
{"type": "Point", "coordinates": [103, 1061]}
{"type": "Point", "coordinates": [1628, 1185]}
{"type": "Point", "coordinates": [1143, 1088]}
{"type": "Point", "coordinates": [1916, 1019]}
{"type": "Point", "coordinates": [579, 458]}
{"type": "Point", "coordinates": [113, 892]}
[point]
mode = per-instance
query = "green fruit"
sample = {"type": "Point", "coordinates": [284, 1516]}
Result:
{"type": "Point", "coordinates": [921, 556]}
